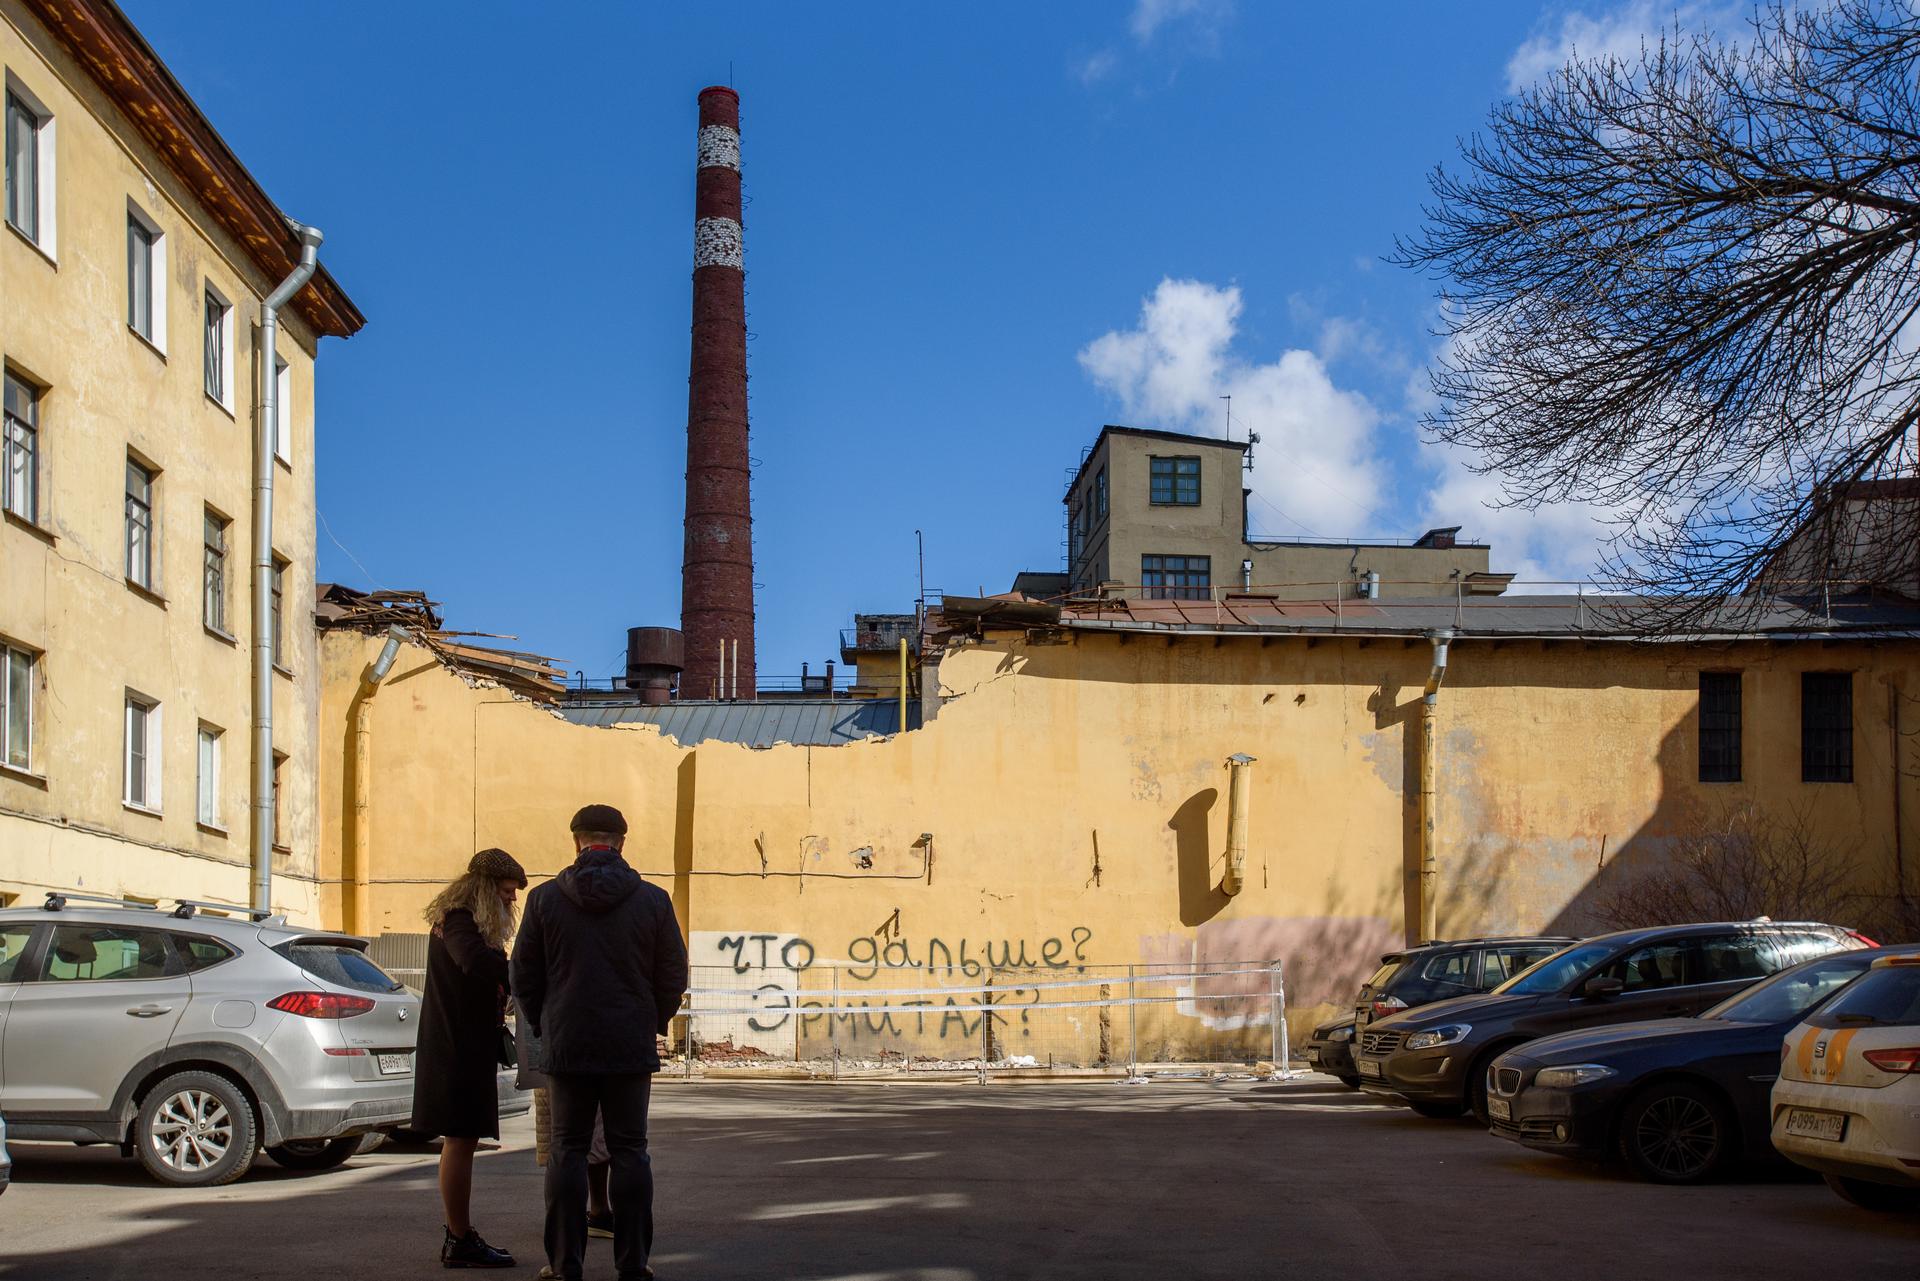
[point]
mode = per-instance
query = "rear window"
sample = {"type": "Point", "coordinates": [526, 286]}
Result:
{"type": "Point", "coordinates": [1790, 994]}
{"type": "Point", "coordinates": [339, 964]}
{"type": "Point", "coordinates": [1385, 973]}
{"type": "Point", "coordinates": [1883, 997]}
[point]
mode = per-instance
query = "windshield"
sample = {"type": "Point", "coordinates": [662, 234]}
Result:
{"type": "Point", "coordinates": [1788, 995]}
{"type": "Point", "coordinates": [338, 963]}
{"type": "Point", "coordinates": [1556, 971]}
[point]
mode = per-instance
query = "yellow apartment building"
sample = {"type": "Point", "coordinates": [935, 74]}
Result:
{"type": "Point", "coordinates": [134, 260]}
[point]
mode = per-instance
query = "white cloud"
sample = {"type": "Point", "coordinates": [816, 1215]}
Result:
{"type": "Point", "coordinates": [1314, 467]}
{"type": "Point", "coordinates": [1549, 548]}
{"type": "Point", "coordinates": [1614, 33]}
{"type": "Point", "coordinates": [1203, 18]}
{"type": "Point", "coordinates": [1093, 69]}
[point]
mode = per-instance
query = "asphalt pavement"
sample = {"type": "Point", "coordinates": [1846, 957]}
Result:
{"type": "Point", "coordinates": [950, 1182]}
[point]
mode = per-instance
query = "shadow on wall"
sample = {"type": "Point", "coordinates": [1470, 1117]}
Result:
{"type": "Point", "coordinates": [1200, 895]}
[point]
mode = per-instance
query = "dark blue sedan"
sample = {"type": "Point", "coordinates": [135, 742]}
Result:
{"type": "Point", "coordinates": [1676, 1099]}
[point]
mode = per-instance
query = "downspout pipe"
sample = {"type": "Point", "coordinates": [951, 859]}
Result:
{"type": "Point", "coordinates": [361, 854]}
{"type": "Point", "coordinates": [1239, 802]}
{"type": "Point", "coordinates": [264, 424]}
{"type": "Point", "coordinates": [1429, 769]}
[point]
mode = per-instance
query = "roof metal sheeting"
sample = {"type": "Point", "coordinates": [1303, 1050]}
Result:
{"type": "Point", "coordinates": [807, 723]}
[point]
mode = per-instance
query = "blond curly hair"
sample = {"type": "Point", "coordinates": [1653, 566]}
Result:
{"type": "Point", "coordinates": [480, 895]}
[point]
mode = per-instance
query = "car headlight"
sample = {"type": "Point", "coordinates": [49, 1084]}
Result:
{"type": "Point", "coordinates": [1340, 1034]}
{"type": "Point", "coordinates": [1449, 1034]}
{"type": "Point", "coordinates": [1561, 1078]}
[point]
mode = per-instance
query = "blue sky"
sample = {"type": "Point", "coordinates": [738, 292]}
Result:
{"type": "Point", "coordinates": [975, 233]}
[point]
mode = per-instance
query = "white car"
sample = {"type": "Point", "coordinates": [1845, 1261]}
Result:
{"type": "Point", "coordinates": [1847, 1103]}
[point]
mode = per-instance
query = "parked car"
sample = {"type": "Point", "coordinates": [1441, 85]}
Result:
{"type": "Point", "coordinates": [1435, 1058]}
{"type": "Point", "coordinates": [192, 1039]}
{"type": "Point", "coordinates": [1330, 1049]}
{"type": "Point", "coordinates": [1445, 968]}
{"type": "Point", "coordinates": [1848, 1099]}
{"type": "Point", "coordinates": [1676, 1099]}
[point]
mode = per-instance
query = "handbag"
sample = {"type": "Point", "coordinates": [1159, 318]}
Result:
{"type": "Point", "coordinates": [508, 1052]}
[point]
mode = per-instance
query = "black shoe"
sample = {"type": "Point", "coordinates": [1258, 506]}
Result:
{"type": "Point", "coordinates": [600, 1225]}
{"type": "Point", "coordinates": [470, 1251]}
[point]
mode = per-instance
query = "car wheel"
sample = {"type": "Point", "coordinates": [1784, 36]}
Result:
{"type": "Point", "coordinates": [1676, 1133]}
{"type": "Point", "coordinates": [1878, 1197]}
{"type": "Point", "coordinates": [1439, 1111]}
{"type": "Point", "coordinates": [315, 1154]}
{"type": "Point", "coordinates": [1351, 1082]}
{"type": "Point", "coordinates": [195, 1130]}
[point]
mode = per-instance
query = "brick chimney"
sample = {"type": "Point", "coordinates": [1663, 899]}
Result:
{"type": "Point", "coordinates": [716, 584]}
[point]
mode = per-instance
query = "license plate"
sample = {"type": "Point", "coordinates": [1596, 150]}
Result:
{"type": "Point", "coordinates": [1500, 1109]}
{"type": "Point", "coordinates": [1806, 1124]}
{"type": "Point", "coordinates": [394, 1064]}
{"type": "Point", "coordinates": [1370, 1067]}
{"type": "Point", "coordinates": [1313, 1056]}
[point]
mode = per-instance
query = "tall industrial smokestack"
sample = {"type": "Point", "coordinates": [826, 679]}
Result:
{"type": "Point", "coordinates": [716, 583]}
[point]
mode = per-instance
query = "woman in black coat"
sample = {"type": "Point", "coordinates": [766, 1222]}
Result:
{"type": "Point", "coordinates": [458, 1053]}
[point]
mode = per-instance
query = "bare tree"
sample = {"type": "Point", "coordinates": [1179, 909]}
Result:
{"type": "Point", "coordinates": [1683, 287]}
{"type": "Point", "coordinates": [1744, 862]}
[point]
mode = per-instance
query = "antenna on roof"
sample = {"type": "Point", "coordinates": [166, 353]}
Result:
{"type": "Point", "coordinates": [1229, 400]}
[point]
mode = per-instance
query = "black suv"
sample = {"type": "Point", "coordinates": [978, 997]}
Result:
{"type": "Point", "coordinates": [1441, 969]}
{"type": "Point", "coordinates": [1435, 1058]}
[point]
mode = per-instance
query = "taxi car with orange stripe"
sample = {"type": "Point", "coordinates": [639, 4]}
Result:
{"type": "Point", "coordinates": [1847, 1103]}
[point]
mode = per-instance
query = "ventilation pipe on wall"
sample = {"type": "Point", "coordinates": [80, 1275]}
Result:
{"type": "Point", "coordinates": [1239, 785]}
{"type": "Point", "coordinates": [266, 423]}
{"type": "Point", "coordinates": [361, 920]}
{"type": "Point", "coordinates": [1429, 819]}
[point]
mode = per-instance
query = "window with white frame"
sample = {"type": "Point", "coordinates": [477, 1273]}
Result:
{"type": "Point", "coordinates": [142, 768]}
{"type": "Point", "coordinates": [279, 808]}
{"type": "Point", "coordinates": [218, 340]}
{"type": "Point", "coordinates": [213, 571]}
{"type": "Point", "coordinates": [146, 278]}
{"type": "Point", "coordinates": [282, 411]}
{"type": "Point", "coordinates": [277, 608]}
{"type": "Point", "coordinates": [30, 158]}
{"type": "Point", "coordinates": [20, 456]}
{"type": "Point", "coordinates": [16, 706]}
{"type": "Point", "coordinates": [212, 741]}
{"type": "Point", "coordinates": [140, 558]}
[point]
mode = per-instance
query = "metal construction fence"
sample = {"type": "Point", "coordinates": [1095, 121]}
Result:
{"type": "Point", "coordinates": [838, 1018]}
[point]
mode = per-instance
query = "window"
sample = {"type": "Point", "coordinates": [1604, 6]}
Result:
{"type": "Point", "coordinates": [279, 808]}
{"type": "Point", "coordinates": [1655, 966]}
{"type": "Point", "coordinates": [1727, 958]}
{"type": "Point", "coordinates": [213, 573]}
{"type": "Point", "coordinates": [146, 278]}
{"type": "Point", "coordinates": [143, 753]}
{"type": "Point", "coordinates": [1719, 727]}
{"type": "Point", "coordinates": [82, 953]}
{"type": "Point", "coordinates": [219, 345]}
{"type": "Point", "coordinates": [16, 707]}
{"type": "Point", "coordinates": [1100, 494]}
{"type": "Point", "coordinates": [282, 411]}
{"type": "Point", "coordinates": [198, 953]}
{"type": "Point", "coordinates": [1176, 577]}
{"type": "Point", "coordinates": [207, 811]}
{"type": "Point", "coordinates": [1826, 727]}
{"type": "Point", "coordinates": [278, 608]}
{"type": "Point", "coordinates": [1174, 481]}
{"type": "Point", "coordinates": [14, 938]}
{"type": "Point", "coordinates": [1502, 963]}
{"type": "Point", "coordinates": [139, 525]}
{"type": "Point", "coordinates": [340, 964]}
{"type": "Point", "coordinates": [30, 182]}
{"type": "Point", "coordinates": [21, 478]}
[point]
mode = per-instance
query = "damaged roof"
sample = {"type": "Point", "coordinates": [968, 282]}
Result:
{"type": "Point", "coordinates": [339, 607]}
{"type": "Point", "coordinates": [801, 722]}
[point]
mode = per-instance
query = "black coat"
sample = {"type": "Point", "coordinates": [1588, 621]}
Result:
{"type": "Point", "coordinates": [455, 1089]}
{"type": "Point", "coordinates": [599, 967]}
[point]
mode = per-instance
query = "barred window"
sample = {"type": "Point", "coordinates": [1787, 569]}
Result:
{"type": "Point", "coordinates": [1719, 727]}
{"type": "Point", "coordinates": [1826, 727]}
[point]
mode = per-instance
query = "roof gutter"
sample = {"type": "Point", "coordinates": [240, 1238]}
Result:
{"type": "Point", "coordinates": [1429, 809]}
{"type": "Point", "coordinates": [265, 424]}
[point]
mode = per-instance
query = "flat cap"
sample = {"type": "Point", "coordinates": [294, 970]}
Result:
{"type": "Point", "coordinates": [599, 818]}
{"type": "Point", "coordinates": [498, 865]}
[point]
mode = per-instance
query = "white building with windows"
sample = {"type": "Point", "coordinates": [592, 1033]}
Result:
{"type": "Point", "coordinates": [134, 258]}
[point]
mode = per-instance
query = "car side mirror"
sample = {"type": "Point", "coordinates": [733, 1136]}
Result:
{"type": "Point", "coordinates": [1602, 987]}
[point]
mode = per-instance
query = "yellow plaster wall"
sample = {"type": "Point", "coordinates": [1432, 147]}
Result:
{"type": "Point", "coordinates": [63, 591]}
{"type": "Point", "coordinates": [1075, 795]}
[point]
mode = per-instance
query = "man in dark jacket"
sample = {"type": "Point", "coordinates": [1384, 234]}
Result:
{"type": "Point", "coordinates": [598, 970]}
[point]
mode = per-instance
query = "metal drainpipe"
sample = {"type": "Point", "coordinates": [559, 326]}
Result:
{"type": "Point", "coordinates": [1239, 786]}
{"type": "Point", "coordinates": [1429, 819]}
{"type": "Point", "coordinates": [265, 424]}
{"type": "Point", "coordinates": [362, 836]}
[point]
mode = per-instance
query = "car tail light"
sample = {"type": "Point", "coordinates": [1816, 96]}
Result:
{"type": "Point", "coordinates": [1905, 1059]}
{"type": "Point", "coordinates": [1862, 939]}
{"type": "Point", "coordinates": [1386, 1005]}
{"type": "Point", "coordinates": [351, 1052]}
{"type": "Point", "coordinates": [320, 1005]}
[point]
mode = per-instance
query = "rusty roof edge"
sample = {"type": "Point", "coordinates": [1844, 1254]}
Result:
{"type": "Point", "coordinates": [1863, 632]}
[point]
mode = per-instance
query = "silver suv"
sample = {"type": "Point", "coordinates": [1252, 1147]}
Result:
{"type": "Point", "coordinates": [192, 1039]}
